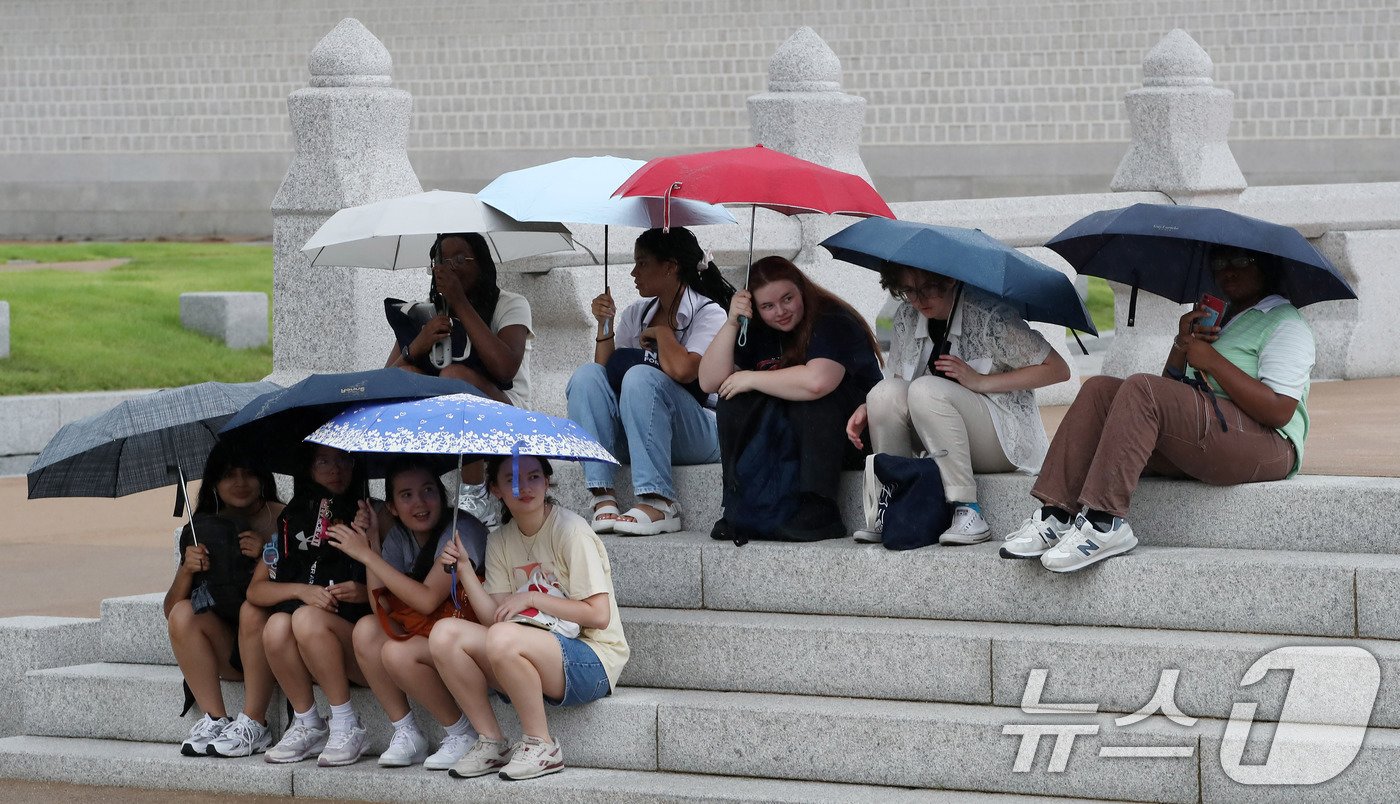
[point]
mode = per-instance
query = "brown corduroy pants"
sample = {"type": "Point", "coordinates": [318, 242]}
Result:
{"type": "Point", "coordinates": [1118, 429]}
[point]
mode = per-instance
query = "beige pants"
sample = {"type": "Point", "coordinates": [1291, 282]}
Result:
{"type": "Point", "coordinates": [941, 417]}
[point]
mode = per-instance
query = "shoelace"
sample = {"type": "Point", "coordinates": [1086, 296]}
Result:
{"type": "Point", "coordinates": [452, 742]}
{"type": "Point", "coordinates": [241, 730]}
{"type": "Point", "coordinates": [339, 739]}
{"type": "Point", "coordinates": [207, 729]}
{"type": "Point", "coordinates": [402, 740]}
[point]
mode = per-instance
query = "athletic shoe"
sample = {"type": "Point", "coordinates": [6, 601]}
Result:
{"type": "Point", "coordinates": [1034, 537]}
{"type": "Point", "coordinates": [202, 733]}
{"type": "Point", "coordinates": [533, 757]}
{"type": "Point", "coordinates": [453, 748]}
{"type": "Point", "coordinates": [408, 747]}
{"type": "Point", "coordinates": [241, 738]}
{"type": "Point", "coordinates": [298, 743]}
{"type": "Point", "coordinates": [345, 747]}
{"type": "Point", "coordinates": [1084, 544]}
{"type": "Point", "coordinates": [968, 527]}
{"type": "Point", "coordinates": [478, 501]}
{"type": "Point", "coordinates": [870, 535]}
{"type": "Point", "coordinates": [485, 756]}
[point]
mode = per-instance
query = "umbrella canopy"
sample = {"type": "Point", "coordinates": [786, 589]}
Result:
{"type": "Point", "coordinates": [1164, 249]}
{"type": "Point", "coordinates": [458, 424]}
{"type": "Point", "coordinates": [580, 190]}
{"type": "Point", "coordinates": [1037, 291]}
{"type": "Point", "coordinates": [757, 176]}
{"type": "Point", "coordinates": [397, 233]}
{"type": "Point", "coordinates": [275, 423]}
{"type": "Point", "coordinates": [137, 445]}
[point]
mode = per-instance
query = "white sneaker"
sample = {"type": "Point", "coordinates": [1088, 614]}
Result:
{"type": "Point", "coordinates": [453, 748]}
{"type": "Point", "coordinates": [241, 738]}
{"type": "Point", "coordinates": [968, 527]}
{"type": "Point", "coordinates": [533, 757]}
{"type": "Point", "coordinates": [298, 743]}
{"type": "Point", "coordinates": [1034, 537]}
{"type": "Point", "coordinates": [202, 733]}
{"type": "Point", "coordinates": [870, 536]}
{"type": "Point", "coordinates": [1084, 544]}
{"type": "Point", "coordinates": [344, 747]}
{"type": "Point", "coordinates": [408, 747]}
{"type": "Point", "coordinates": [485, 756]}
{"type": "Point", "coordinates": [480, 503]}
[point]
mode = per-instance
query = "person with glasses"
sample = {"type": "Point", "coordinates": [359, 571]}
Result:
{"type": "Point", "coordinates": [960, 385]}
{"type": "Point", "coordinates": [484, 339]}
{"type": "Point", "coordinates": [1229, 407]}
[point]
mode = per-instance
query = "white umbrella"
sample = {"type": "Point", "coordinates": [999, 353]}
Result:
{"type": "Point", "coordinates": [397, 233]}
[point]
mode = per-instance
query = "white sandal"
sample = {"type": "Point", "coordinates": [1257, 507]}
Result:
{"type": "Point", "coordinates": [610, 511]}
{"type": "Point", "coordinates": [670, 520]}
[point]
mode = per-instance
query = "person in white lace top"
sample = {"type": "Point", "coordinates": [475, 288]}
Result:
{"type": "Point", "coordinates": [959, 384]}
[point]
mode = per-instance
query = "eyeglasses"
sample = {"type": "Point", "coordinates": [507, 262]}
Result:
{"type": "Point", "coordinates": [936, 287]}
{"type": "Point", "coordinates": [337, 461]}
{"type": "Point", "coordinates": [1241, 261]}
{"type": "Point", "coordinates": [460, 261]}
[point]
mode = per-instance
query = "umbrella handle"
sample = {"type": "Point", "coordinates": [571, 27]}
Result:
{"type": "Point", "coordinates": [743, 339]}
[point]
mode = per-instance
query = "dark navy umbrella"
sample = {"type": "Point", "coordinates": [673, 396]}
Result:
{"type": "Point", "coordinates": [1165, 249]}
{"type": "Point", "coordinates": [274, 424]}
{"type": "Point", "coordinates": [1034, 289]}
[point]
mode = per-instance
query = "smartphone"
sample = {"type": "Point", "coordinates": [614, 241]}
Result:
{"type": "Point", "coordinates": [1215, 310]}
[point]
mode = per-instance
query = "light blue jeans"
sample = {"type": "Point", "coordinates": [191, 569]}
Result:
{"type": "Point", "coordinates": [655, 424]}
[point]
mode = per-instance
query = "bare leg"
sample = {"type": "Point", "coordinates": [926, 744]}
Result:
{"type": "Point", "coordinates": [458, 648]}
{"type": "Point", "coordinates": [280, 645]}
{"type": "Point", "coordinates": [370, 641]}
{"type": "Point", "coordinates": [324, 642]}
{"type": "Point", "coordinates": [480, 381]}
{"type": "Point", "coordinates": [257, 675]}
{"type": "Point", "coordinates": [202, 645]}
{"type": "Point", "coordinates": [410, 664]}
{"type": "Point", "coordinates": [529, 665]}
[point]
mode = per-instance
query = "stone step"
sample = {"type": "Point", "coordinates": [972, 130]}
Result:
{"type": "Point", "coordinates": [33, 643]}
{"type": "Point", "coordinates": [930, 660]}
{"type": "Point", "coordinates": [155, 766]}
{"type": "Point", "coordinates": [1309, 512]}
{"type": "Point", "coordinates": [1200, 589]}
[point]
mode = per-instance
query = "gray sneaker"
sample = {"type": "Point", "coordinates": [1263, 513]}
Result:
{"type": "Point", "coordinates": [453, 748]}
{"type": "Point", "coordinates": [408, 747]}
{"type": "Point", "coordinates": [486, 756]}
{"type": "Point", "coordinates": [480, 503]}
{"type": "Point", "coordinates": [533, 757]}
{"type": "Point", "coordinates": [344, 747]}
{"type": "Point", "coordinates": [1085, 544]}
{"type": "Point", "coordinates": [241, 738]}
{"type": "Point", "coordinates": [298, 743]}
{"type": "Point", "coordinates": [202, 733]}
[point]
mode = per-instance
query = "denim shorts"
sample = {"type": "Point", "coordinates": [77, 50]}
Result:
{"type": "Point", "coordinates": [585, 679]}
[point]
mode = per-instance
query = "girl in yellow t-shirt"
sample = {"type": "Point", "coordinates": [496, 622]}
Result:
{"type": "Point", "coordinates": [554, 635]}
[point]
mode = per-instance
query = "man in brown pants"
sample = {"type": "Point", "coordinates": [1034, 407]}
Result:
{"type": "Point", "coordinates": [1239, 416]}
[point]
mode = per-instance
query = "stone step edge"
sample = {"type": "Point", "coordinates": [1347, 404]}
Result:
{"type": "Point", "coordinates": [162, 769]}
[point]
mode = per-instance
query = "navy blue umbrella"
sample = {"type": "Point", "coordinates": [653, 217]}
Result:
{"type": "Point", "coordinates": [275, 423]}
{"type": "Point", "coordinates": [1165, 249]}
{"type": "Point", "coordinates": [1034, 289]}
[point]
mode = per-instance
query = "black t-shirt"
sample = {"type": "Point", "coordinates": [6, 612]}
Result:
{"type": "Point", "coordinates": [837, 336]}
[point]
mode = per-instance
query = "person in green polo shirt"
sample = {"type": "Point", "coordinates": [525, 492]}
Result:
{"type": "Point", "coordinates": [1230, 407]}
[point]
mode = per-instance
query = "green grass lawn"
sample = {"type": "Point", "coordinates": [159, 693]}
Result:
{"type": "Point", "coordinates": [1100, 303]}
{"type": "Point", "coordinates": [120, 329]}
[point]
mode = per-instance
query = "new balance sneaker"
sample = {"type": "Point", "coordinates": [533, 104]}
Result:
{"type": "Point", "coordinates": [1034, 537]}
{"type": "Point", "coordinates": [343, 747]}
{"type": "Point", "coordinates": [485, 756]}
{"type": "Point", "coordinates": [241, 738]}
{"type": "Point", "coordinates": [298, 743]}
{"type": "Point", "coordinates": [968, 527]}
{"type": "Point", "coordinates": [533, 757]}
{"type": "Point", "coordinates": [408, 747]}
{"type": "Point", "coordinates": [202, 733]}
{"type": "Point", "coordinates": [451, 751]}
{"type": "Point", "coordinates": [1084, 544]}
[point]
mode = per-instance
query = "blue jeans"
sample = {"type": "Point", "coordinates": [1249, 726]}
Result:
{"type": "Point", "coordinates": [656, 423]}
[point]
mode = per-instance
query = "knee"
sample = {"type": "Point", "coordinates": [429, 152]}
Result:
{"type": "Point", "coordinates": [277, 633]}
{"type": "Point", "coordinates": [368, 639]}
{"type": "Point", "coordinates": [502, 642]}
{"type": "Point", "coordinates": [641, 382]}
{"type": "Point", "coordinates": [935, 392]}
{"type": "Point", "coordinates": [1139, 385]}
{"type": "Point", "coordinates": [887, 397]}
{"type": "Point", "coordinates": [392, 653]}
{"type": "Point", "coordinates": [444, 640]}
{"type": "Point", "coordinates": [588, 376]}
{"type": "Point", "coordinates": [251, 619]}
{"type": "Point", "coordinates": [308, 621]}
{"type": "Point", "coordinates": [180, 619]}
{"type": "Point", "coordinates": [1099, 385]}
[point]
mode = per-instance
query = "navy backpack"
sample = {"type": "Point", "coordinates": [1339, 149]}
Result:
{"type": "Point", "coordinates": [761, 486]}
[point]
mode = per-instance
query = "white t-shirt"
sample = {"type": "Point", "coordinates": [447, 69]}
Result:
{"type": "Point", "coordinates": [698, 319]}
{"type": "Point", "coordinates": [511, 309]}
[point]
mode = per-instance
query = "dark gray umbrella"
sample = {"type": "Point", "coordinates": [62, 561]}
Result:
{"type": "Point", "coordinates": [140, 444]}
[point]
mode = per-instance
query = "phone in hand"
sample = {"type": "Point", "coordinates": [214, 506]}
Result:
{"type": "Point", "coordinates": [1215, 310]}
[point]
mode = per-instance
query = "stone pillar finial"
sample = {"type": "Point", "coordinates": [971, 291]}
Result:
{"type": "Point", "coordinates": [1180, 121]}
{"type": "Point", "coordinates": [804, 112]}
{"type": "Point", "coordinates": [350, 128]}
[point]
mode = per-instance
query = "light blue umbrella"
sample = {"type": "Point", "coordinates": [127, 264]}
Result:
{"type": "Point", "coordinates": [579, 190]}
{"type": "Point", "coordinates": [458, 424]}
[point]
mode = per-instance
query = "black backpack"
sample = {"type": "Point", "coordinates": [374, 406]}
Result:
{"type": "Point", "coordinates": [761, 481]}
{"type": "Point", "coordinates": [229, 570]}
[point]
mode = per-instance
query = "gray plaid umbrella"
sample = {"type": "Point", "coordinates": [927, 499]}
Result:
{"type": "Point", "coordinates": [139, 444]}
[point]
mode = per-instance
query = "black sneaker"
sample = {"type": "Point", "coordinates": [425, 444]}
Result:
{"type": "Point", "coordinates": [817, 519]}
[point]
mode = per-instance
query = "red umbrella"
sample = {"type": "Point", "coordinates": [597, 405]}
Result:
{"type": "Point", "coordinates": [758, 177]}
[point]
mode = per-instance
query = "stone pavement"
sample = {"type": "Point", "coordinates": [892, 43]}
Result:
{"type": "Point", "coordinates": [62, 557]}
